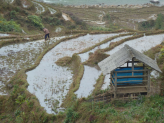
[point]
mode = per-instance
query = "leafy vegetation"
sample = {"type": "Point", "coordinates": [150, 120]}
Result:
{"type": "Point", "coordinates": [81, 24]}
{"type": "Point", "coordinates": [119, 111]}
{"type": "Point", "coordinates": [106, 17]}
{"type": "Point", "coordinates": [146, 25]}
{"type": "Point", "coordinates": [159, 22]}
{"type": "Point", "coordinates": [53, 21]}
{"type": "Point", "coordinates": [8, 26]}
{"type": "Point", "coordinates": [71, 115]}
{"type": "Point", "coordinates": [36, 21]}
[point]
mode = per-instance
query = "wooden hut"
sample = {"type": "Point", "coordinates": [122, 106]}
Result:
{"type": "Point", "coordinates": [130, 72]}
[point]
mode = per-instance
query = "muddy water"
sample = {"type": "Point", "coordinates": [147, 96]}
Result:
{"type": "Point", "coordinates": [17, 56]}
{"type": "Point", "coordinates": [85, 56]}
{"type": "Point", "coordinates": [49, 82]}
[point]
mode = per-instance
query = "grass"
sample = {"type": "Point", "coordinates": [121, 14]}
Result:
{"type": "Point", "coordinates": [129, 112]}
{"type": "Point", "coordinates": [95, 58]}
{"type": "Point", "coordinates": [63, 61]}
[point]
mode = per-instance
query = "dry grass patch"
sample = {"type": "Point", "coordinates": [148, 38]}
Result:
{"type": "Point", "coordinates": [63, 61]}
{"type": "Point", "coordinates": [95, 58]}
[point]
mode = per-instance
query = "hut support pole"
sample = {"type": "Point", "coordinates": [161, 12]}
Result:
{"type": "Point", "coordinates": [132, 66]}
{"type": "Point", "coordinates": [115, 85]}
{"type": "Point", "coordinates": [148, 82]}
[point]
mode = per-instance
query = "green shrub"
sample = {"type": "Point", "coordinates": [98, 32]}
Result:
{"type": "Point", "coordinates": [36, 21]}
{"type": "Point", "coordinates": [159, 22]}
{"type": "Point", "coordinates": [106, 17]}
{"type": "Point", "coordinates": [71, 116]}
{"type": "Point", "coordinates": [145, 25]}
{"type": "Point", "coordinates": [7, 26]}
{"type": "Point", "coordinates": [13, 14]}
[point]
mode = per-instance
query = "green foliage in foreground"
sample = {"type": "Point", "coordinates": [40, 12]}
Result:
{"type": "Point", "coordinates": [143, 110]}
{"type": "Point", "coordinates": [36, 21]}
{"type": "Point", "coordinates": [8, 26]}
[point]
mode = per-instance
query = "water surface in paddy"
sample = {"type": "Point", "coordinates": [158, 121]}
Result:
{"type": "Point", "coordinates": [17, 56]}
{"type": "Point", "coordinates": [49, 82]}
{"type": "Point", "coordinates": [88, 81]}
{"type": "Point", "coordinates": [85, 56]}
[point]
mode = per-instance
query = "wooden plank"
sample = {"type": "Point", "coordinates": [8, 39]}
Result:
{"type": "Point", "coordinates": [132, 81]}
{"type": "Point", "coordinates": [140, 76]}
{"type": "Point", "coordinates": [132, 87]}
{"type": "Point", "coordinates": [131, 90]}
{"type": "Point", "coordinates": [134, 62]}
{"type": "Point", "coordinates": [112, 79]}
{"type": "Point", "coordinates": [126, 71]}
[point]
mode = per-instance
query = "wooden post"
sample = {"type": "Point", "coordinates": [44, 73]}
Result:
{"type": "Point", "coordinates": [148, 88]}
{"type": "Point", "coordinates": [115, 85]}
{"type": "Point", "coordinates": [133, 66]}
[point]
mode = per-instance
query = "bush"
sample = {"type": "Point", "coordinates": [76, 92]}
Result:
{"type": "Point", "coordinates": [159, 22]}
{"type": "Point", "coordinates": [77, 20]}
{"type": "Point", "coordinates": [7, 26]}
{"type": "Point", "coordinates": [13, 14]}
{"type": "Point", "coordinates": [36, 21]}
{"type": "Point", "coordinates": [146, 25]}
{"type": "Point", "coordinates": [71, 116]}
{"type": "Point", "coordinates": [106, 17]}
{"type": "Point", "coordinates": [52, 21]}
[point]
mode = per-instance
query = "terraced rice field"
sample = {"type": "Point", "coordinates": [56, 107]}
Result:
{"type": "Point", "coordinates": [50, 83]}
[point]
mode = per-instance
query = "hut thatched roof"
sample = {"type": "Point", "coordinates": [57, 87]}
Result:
{"type": "Point", "coordinates": [123, 55]}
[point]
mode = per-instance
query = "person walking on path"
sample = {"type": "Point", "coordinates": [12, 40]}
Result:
{"type": "Point", "coordinates": [46, 33]}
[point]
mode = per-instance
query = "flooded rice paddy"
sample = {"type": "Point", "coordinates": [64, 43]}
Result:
{"type": "Point", "coordinates": [49, 82]}
{"type": "Point", "coordinates": [18, 56]}
{"type": "Point", "coordinates": [141, 44]}
{"type": "Point", "coordinates": [85, 56]}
